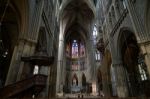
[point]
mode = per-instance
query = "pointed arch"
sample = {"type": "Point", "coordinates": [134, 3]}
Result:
{"type": "Point", "coordinates": [75, 80]}
{"type": "Point", "coordinates": [83, 80]}
{"type": "Point", "coordinates": [42, 41]}
{"type": "Point", "coordinates": [121, 39]}
{"type": "Point", "coordinates": [67, 2]}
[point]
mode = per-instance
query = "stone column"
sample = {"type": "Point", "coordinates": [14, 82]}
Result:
{"type": "Point", "coordinates": [60, 65]}
{"type": "Point", "coordinates": [52, 83]}
{"type": "Point", "coordinates": [91, 51]}
{"type": "Point", "coordinates": [91, 57]}
{"type": "Point", "coordinates": [121, 82]}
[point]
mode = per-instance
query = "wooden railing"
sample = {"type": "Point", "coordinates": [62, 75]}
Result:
{"type": "Point", "coordinates": [37, 81]}
{"type": "Point", "coordinates": [39, 60]}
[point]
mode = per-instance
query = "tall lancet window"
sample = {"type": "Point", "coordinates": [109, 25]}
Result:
{"type": "Point", "coordinates": [82, 50]}
{"type": "Point", "coordinates": [75, 52]}
{"type": "Point", "coordinates": [94, 34]}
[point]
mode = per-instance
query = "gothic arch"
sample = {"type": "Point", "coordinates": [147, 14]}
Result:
{"type": "Point", "coordinates": [21, 7]}
{"type": "Point", "coordinates": [74, 15]}
{"type": "Point", "coordinates": [17, 10]}
{"type": "Point", "coordinates": [12, 26]}
{"type": "Point", "coordinates": [79, 29]}
{"type": "Point", "coordinates": [66, 2]}
{"type": "Point", "coordinates": [83, 80]}
{"type": "Point", "coordinates": [42, 41]}
{"type": "Point", "coordinates": [121, 39]}
{"type": "Point", "coordinates": [75, 80]}
{"type": "Point", "coordinates": [129, 53]}
{"type": "Point", "coordinates": [127, 46]}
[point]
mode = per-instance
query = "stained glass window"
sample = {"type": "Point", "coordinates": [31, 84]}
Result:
{"type": "Point", "coordinates": [75, 49]}
{"type": "Point", "coordinates": [82, 50]}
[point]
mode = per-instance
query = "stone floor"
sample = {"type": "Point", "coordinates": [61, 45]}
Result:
{"type": "Point", "coordinates": [85, 96]}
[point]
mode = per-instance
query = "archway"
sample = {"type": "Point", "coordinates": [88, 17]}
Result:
{"type": "Point", "coordinates": [84, 83]}
{"type": "Point", "coordinates": [136, 74]}
{"type": "Point", "coordinates": [74, 80]}
{"type": "Point", "coordinates": [83, 80]}
{"type": "Point", "coordinates": [9, 32]}
{"type": "Point", "coordinates": [75, 19]}
{"type": "Point", "coordinates": [106, 74]}
{"type": "Point", "coordinates": [130, 52]}
{"type": "Point", "coordinates": [75, 59]}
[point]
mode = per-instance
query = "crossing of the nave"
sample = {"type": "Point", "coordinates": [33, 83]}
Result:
{"type": "Point", "coordinates": [63, 49]}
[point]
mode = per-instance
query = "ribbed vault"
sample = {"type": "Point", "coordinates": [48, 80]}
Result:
{"type": "Point", "coordinates": [79, 15]}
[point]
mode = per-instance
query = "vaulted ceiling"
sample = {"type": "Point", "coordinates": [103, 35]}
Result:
{"type": "Point", "coordinates": [79, 15]}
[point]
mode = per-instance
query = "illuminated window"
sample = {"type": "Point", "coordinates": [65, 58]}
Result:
{"type": "Point", "coordinates": [142, 71]}
{"type": "Point", "coordinates": [82, 50]}
{"type": "Point", "coordinates": [36, 69]}
{"type": "Point", "coordinates": [97, 56]}
{"type": "Point", "coordinates": [75, 49]}
{"type": "Point", "coordinates": [94, 35]}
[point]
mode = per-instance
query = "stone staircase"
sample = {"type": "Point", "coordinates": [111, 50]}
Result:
{"type": "Point", "coordinates": [26, 87]}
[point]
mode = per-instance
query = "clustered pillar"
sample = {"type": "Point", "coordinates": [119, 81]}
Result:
{"type": "Point", "coordinates": [121, 82]}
